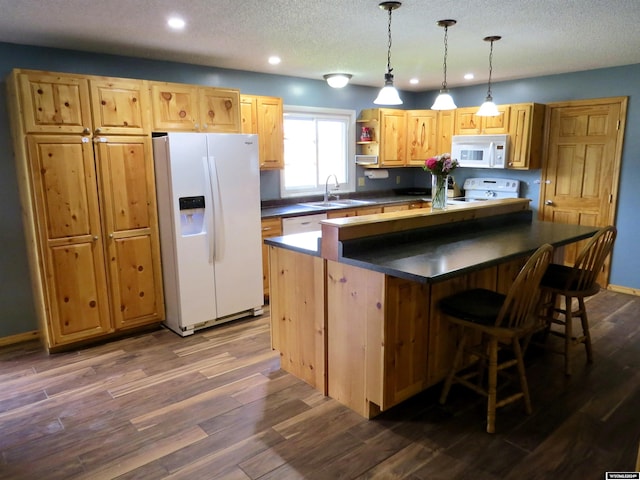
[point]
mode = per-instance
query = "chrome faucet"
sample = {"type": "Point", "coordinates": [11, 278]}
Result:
{"type": "Point", "coordinates": [326, 186]}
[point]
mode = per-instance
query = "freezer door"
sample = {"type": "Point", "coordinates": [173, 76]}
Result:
{"type": "Point", "coordinates": [235, 186]}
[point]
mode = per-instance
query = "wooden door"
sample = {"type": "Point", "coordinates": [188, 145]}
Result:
{"type": "Point", "coordinates": [582, 164]}
{"type": "Point", "coordinates": [175, 107]}
{"type": "Point", "coordinates": [219, 110]}
{"type": "Point", "coordinates": [70, 237]}
{"type": "Point", "coordinates": [128, 198]}
{"type": "Point", "coordinates": [120, 106]}
{"type": "Point", "coordinates": [422, 136]}
{"type": "Point", "coordinates": [393, 134]}
{"type": "Point", "coordinates": [270, 132]}
{"type": "Point", "coordinates": [54, 103]}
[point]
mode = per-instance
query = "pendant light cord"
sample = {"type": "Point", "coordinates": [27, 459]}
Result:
{"type": "Point", "coordinates": [490, 68]}
{"type": "Point", "coordinates": [446, 34]}
{"type": "Point", "coordinates": [389, 69]}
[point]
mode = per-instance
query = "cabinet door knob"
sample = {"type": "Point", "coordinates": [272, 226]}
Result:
{"type": "Point", "coordinates": [95, 238]}
{"type": "Point", "coordinates": [86, 131]}
{"type": "Point", "coordinates": [97, 131]}
{"type": "Point", "coordinates": [548, 202]}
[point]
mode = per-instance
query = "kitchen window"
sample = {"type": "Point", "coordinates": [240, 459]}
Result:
{"type": "Point", "coordinates": [318, 143]}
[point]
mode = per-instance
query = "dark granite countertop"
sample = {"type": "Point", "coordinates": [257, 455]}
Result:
{"type": "Point", "coordinates": [438, 254]}
{"type": "Point", "coordinates": [284, 209]}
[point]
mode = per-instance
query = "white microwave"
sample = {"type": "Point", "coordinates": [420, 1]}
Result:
{"type": "Point", "coordinates": [480, 151]}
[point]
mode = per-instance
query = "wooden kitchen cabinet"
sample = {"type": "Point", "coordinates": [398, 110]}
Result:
{"type": "Point", "coordinates": [422, 136]}
{"type": "Point", "coordinates": [65, 103]}
{"type": "Point", "coordinates": [119, 106]}
{"type": "Point", "coordinates": [445, 129]}
{"type": "Point", "coordinates": [71, 280]}
{"type": "Point", "coordinates": [271, 227]}
{"type": "Point", "coordinates": [468, 123]}
{"type": "Point", "coordinates": [389, 144]}
{"type": "Point", "coordinates": [129, 212]}
{"type": "Point", "coordinates": [52, 102]}
{"type": "Point", "coordinates": [89, 205]}
{"type": "Point", "coordinates": [183, 107]}
{"type": "Point", "coordinates": [526, 127]}
{"type": "Point", "coordinates": [264, 117]}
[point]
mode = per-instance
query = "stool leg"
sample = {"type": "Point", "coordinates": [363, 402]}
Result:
{"type": "Point", "coordinates": [568, 334]}
{"type": "Point", "coordinates": [492, 387]}
{"type": "Point", "coordinates": [456, 360]}
{"type": "Point", "coordinates": [585, 330]}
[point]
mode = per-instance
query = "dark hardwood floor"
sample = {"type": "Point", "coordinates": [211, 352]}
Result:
{"type": "Point", "coordinates": [216, 406]}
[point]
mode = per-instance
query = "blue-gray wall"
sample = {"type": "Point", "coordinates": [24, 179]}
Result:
{"type": "Point", "coordinates": [16, 302]}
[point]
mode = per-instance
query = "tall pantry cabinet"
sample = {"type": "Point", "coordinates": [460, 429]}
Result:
{"type": "Point", "coordinates": [85, 172]}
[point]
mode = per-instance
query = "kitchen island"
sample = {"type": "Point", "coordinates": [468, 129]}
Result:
{"type": "Point", "coordinates": [354, 309]}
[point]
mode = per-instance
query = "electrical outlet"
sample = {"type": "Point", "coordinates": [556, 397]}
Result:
{"type": "Point", "coordinates": [398, 180]}
{"type": "Point", "coordinates": [361, 181]}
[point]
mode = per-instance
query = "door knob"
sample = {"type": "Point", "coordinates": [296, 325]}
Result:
{"type": "Point", "coordinates": [548, 202]}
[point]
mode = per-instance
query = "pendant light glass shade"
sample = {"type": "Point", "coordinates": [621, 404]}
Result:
{"type": "Point", "coordinates": [489, 108]}
{"type": "Point", "coordinates": [444, 100]}
{"type": "Point", "coordinates": [388, 94]}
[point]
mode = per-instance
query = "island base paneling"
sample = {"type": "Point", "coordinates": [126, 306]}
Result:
{"type": "Point", "coordinates": [297, 314]}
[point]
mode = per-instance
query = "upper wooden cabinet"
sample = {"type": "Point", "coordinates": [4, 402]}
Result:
{"type": "Point", "coordinates": [446, 124]}
{"type": "Point", "coordinates": [65, 103]}
{"type": "Point", "coordinates": [389, 136]}
{"type": "Point", "coordinates": [54, 103]}
{"type": "Point", "coordinates": [468, 123]}
{"type": "Point", "coordinates": [182, 107]}
{"type": "Point", "coordinates": [422, 136]}
{"type": "Point", "coordinates": [119, 106]}
{"type": "Point", "coordinates": [264, 116]}
{"type": "Point", "coordinates": [526, 135]}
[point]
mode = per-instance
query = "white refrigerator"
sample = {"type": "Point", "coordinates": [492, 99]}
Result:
{"type": "Point", "coordinates": [208, 187]}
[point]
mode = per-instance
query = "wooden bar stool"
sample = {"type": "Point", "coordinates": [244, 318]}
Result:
{"type": "Point", "coordinates": [504, 322]}
{"type": "Point", "coordinates": [576, 282]}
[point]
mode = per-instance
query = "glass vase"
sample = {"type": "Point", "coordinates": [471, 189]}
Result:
{"type": "Point", "coordinates": [439, 191]}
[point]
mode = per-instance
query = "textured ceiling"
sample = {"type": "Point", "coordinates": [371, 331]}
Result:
{"type": "Point", "coordinates": [539, 37]}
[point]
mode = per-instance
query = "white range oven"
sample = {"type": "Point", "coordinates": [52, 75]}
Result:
{"type": "Point", "coordinates": [478, 189]}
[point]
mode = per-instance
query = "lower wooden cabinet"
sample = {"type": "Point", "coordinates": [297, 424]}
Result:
{"type": "Point", "coordinates": [271, 227]}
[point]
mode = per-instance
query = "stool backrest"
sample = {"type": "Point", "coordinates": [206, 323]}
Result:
{"type": "Point", "coordinates": [520, 306]}
{"type": "Point", "coordinates": [591, 259]}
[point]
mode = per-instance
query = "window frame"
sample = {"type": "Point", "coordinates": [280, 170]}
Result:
{"type": "Point", "coordinates": [317, 112]}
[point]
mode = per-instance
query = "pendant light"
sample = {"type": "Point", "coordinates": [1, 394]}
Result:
{"type": "Point", "coordinates": [444, 100]}
{"type": "Point", "coordinates": [388, 95]}
{"type": "Point", "coordinates": [488, 108]}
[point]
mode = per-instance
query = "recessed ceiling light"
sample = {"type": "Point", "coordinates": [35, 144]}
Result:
{"type": "Point", "coordinates": [469, 76]}
{"type": "Point", "coordinates": [176, 23]}
{"type": "Point", "coordinates": [414, 81]}
{"type": "Point", "coordinates": [274, 60]}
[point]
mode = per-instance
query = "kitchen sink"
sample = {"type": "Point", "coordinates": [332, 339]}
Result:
{"type": "Point", "coordinates": [347, 202]}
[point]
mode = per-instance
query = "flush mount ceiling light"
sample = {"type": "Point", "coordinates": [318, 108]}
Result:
{"type": "Point", "coordinates": [488, 108]}
{"type": "Point", "coordinates": [388, 95]}
{"type": "Point", "coordinates": [337, 80]}
{"type": "Point", "coordinates": [444, 100]}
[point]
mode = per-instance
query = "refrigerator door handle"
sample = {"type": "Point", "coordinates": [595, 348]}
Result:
{"type": "Point", "coordinates": [209, 209]}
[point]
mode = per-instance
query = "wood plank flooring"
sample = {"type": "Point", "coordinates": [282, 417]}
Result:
{"type": "Point", "coordinates": [216, 406]}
